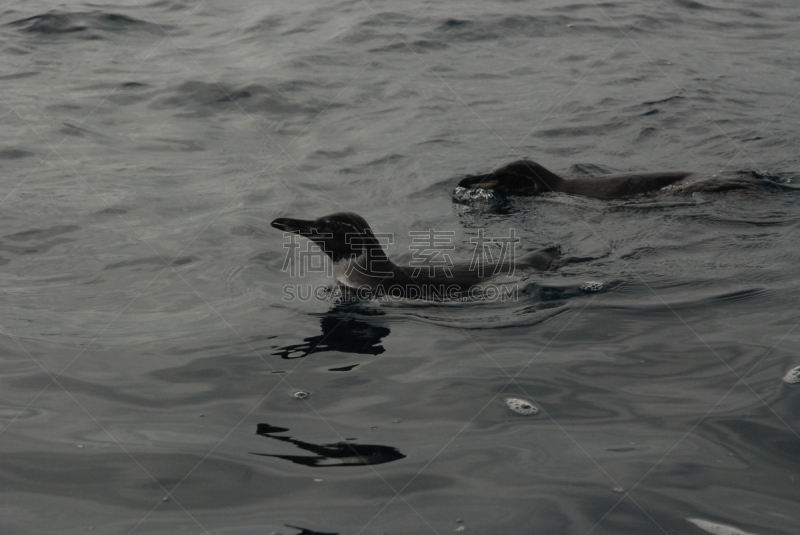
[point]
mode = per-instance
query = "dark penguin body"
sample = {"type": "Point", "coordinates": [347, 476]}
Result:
{"type": "Point", "coordinates": [526, 177]}
{"type": "Point", "coordinates": [360, 262]}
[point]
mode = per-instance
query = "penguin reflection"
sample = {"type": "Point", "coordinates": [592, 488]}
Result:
{"type": "Point", "coordinates": [306, 531]}
{"type": "Point", "coordinates": [342, 332]}
{"type": "Point", "coordinates": [327, 455]}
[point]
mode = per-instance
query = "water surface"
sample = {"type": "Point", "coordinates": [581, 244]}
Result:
{"type": "Point", "coordinates": [145, 343]}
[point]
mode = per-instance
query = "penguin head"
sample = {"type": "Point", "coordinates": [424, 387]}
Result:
{"type": "Point", "coordinates": [341, 235]}
{"type": "Point", "coordinates": [522, 177]}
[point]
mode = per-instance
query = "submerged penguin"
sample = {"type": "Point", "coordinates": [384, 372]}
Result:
{"type": "Point", "coordinates": [359, 261]}
{"type": "Point", "coordinates": [526, 177]}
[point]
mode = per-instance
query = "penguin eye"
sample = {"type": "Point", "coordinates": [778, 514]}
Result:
{"type": "Point", "coordinates": [334, 226]}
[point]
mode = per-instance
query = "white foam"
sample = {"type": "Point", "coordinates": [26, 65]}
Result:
{"type": "Point", "coordinates": [792, 376]}
{"type": "Point", "coordinates": [469, 194]}
{"type": "Point", "coordinates": [520, 406]}
{"type": "Point", "coordinates": [717, 529]}
{"type": "Point", "coordinates": [591, 286]}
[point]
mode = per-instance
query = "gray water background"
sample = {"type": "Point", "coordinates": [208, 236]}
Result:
{"type": "Point", "coordinates": [145, 147]}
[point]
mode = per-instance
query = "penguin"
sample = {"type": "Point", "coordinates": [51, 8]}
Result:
{"type": "Point", "coordinates": [360, 262]}
{"type": "Point", "coordinates": [526, 177]}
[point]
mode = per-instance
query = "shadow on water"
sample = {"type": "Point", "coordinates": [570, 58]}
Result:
{"type": "Point", "coordinates": [328, 455]}
{"type": "Point", "coordinates": [304, 531]}
{"type": "Point", "coordinates": [342, 332]}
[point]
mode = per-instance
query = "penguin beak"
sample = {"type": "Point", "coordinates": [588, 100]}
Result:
{"type": "Point", "coordinates": [298, 226]}
{"type": "Point", "coordinates": [478, 182]}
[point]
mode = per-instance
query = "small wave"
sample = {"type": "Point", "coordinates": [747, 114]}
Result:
{"type": "Point", "coordinates": [84, 24]}
{"type": "Point", "coordinates": [202, 99]}
{"type": "Point", "coordinates": [36, 241]}
{"type": "Point", "coordinates": [503, 26]}
{"type": "Point", "coordinates": [151, 263]}
{"type": "Point", "coordinates": [14, 154]}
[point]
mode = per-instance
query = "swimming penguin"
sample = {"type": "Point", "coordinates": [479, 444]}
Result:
{"type": "Point", "coordinates": [526, 177]}
{"type": "Point", "coordinates": [360, 262]}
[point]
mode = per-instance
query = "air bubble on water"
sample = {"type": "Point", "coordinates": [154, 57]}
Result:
{"type": "Point", "coordinates": [521, 406]}
{"type": "Point", "coordinates": [591, 286]}
{"type": "Point", "coordinates": [300, 394]}
{"type": "Point", "coordinates": [792, 376]}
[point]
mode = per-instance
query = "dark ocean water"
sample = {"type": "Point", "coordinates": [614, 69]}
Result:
{"type": "Point", "coordinates": [145, 147]}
